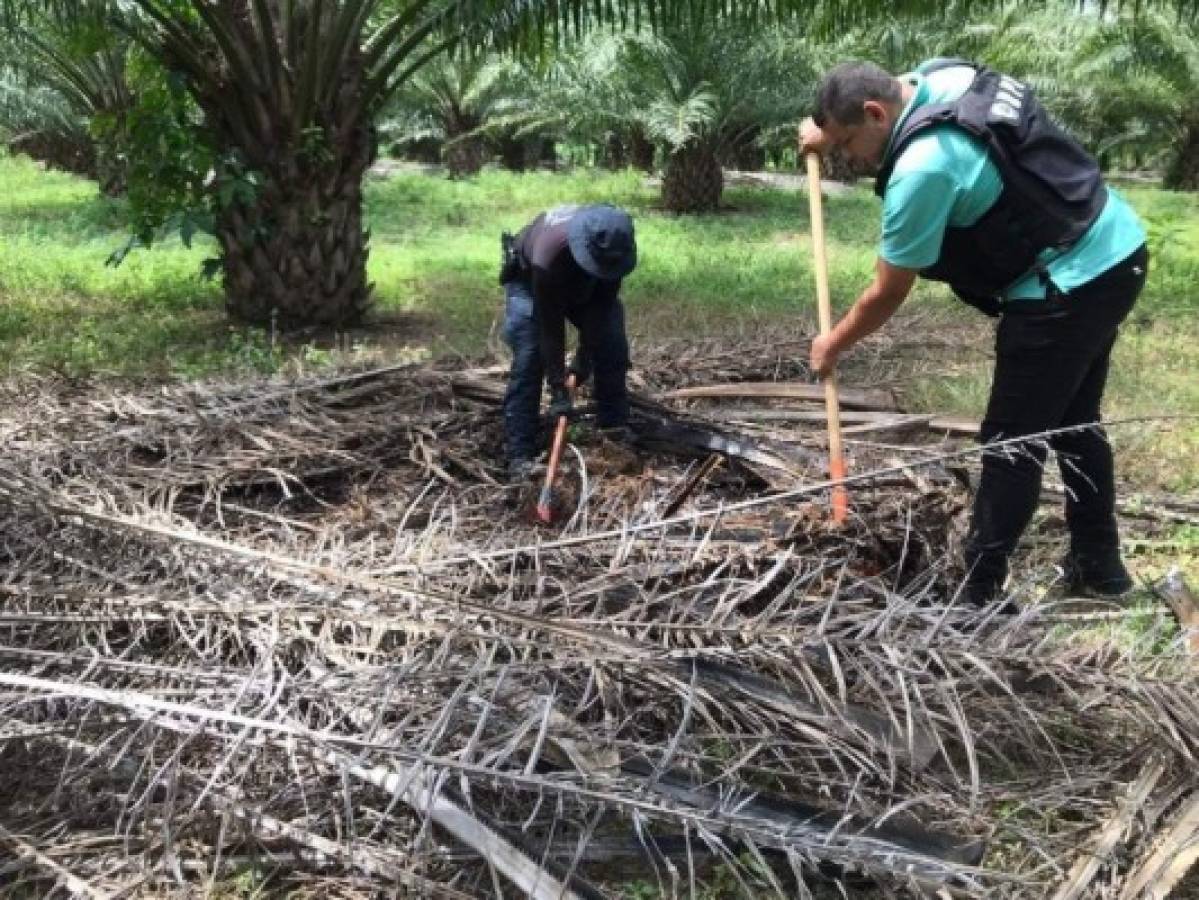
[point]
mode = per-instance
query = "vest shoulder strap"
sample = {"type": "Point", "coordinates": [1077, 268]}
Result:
{"type": "Point", "coordinates": [947, 62]}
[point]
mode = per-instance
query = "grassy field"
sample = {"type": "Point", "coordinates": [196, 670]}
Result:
{"type": "Point", "coordinates": [433, 260]}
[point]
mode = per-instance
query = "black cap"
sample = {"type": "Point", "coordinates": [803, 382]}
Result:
{"type": "Point", "coordinates": [601, 241]}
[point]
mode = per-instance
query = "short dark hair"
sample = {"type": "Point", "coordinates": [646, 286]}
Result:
{"type": "Point", "coordinates": [845, 88]}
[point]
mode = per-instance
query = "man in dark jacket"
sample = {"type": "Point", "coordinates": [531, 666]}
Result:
{"type": "Point", "coordinates": [983, 191]}
{"type": "Point", "coordinates": [567, 264]}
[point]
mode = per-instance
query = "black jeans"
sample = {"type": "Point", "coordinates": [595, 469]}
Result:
{"type": "Point", "coordinates": [1051, 365]}
{"type": "Point", "coordinates": [607, 350]}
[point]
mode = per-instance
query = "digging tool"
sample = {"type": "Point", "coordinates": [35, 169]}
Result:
{"type": "Point", "coordinates": [836, 456]}
{"type": "Point", "coordinates": [545, 502]}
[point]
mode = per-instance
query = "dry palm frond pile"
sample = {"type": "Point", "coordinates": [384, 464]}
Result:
{"type": "Point", "coordinates": [300, 637]}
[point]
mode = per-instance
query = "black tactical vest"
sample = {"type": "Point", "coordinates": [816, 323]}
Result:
{"type": "Point", "coordinates": [1052, 188]}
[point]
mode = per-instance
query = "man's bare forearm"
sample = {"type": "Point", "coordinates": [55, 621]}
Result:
{"type": "Point", "coordinates": [868, 314]}
{"type": "Point", "coordinates": [873, 308]}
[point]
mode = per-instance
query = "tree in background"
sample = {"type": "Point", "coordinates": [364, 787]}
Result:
{"type": "Point", "coordinates": [1125, 84]}
{"type": "Point", "coordinates": [38, 121]}
{"type": "Point", "coordinates": [702, 94]}
{"type": "Point", "coordinates": [1141, 77]}
{"type": "Point", "coordinates": [65, 96]}
{"type": "Point", "coordinates": [708, 94]}
{"type": "Point", "coordinates": [288, 92]}
{"type": "Point", "coordinates": [451, 104]}
{"type": "Point", "coordinates": [585, 95]}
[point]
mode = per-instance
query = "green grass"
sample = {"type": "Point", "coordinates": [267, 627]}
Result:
{"type": "Point", "coordinates": [433, 261]}
{"type": "Point", "coordinates": [434, 257]}
{"type": "Point", "coordinates": [62, 308]}
{"type": "Point", "coordinates": [436, 248]}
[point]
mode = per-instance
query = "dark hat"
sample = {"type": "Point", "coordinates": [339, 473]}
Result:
{"type": "Point", "coordinates": [601, 241]}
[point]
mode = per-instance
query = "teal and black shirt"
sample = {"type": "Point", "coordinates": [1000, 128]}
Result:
{"type": "Point", "coordinates": [945, 178]}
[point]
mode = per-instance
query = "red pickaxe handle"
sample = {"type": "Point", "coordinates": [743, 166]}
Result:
{"type": "Point", "coordinates": [545, 501]}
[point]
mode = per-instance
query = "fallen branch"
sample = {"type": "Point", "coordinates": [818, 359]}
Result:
{"type": "Point", "coordinates": [72, 882]}
{"type": "Point", "coordinates": [1176, 851]}
{"type": "Point", "coordinates": [953, 425]}
{"type": "Point", "coordinates": [687, 488]}
{"type": "Point", "coordinates": [853, 398]}
{"type": "Point", "coordinates": [1078, 882]}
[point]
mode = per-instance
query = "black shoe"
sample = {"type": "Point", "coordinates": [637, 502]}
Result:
{"type": "Point", "coordinates": [987, 594]}
{"type": "Point", "coordinates": [980, 592]}
{"type": "Point", "coordinates": [1100, 574]}
{"type": "Point", "coordinates": [986, 572]}
{"type": "Point", "coordinates": [520, 470]}
{"type": "Point", "coordinates": [618, 434]}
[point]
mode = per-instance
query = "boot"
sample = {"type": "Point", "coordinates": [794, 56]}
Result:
{"type": "Point", "coordinates": [981, 594]}
{"type": "Point", "coordinates": [985, 576]}
{"type": "Point", "coordinates": [1095, 573]}
{"type": "Point", "coordinates": [521, 470]}
{"type": "Point", "coordinates": [618, 434]}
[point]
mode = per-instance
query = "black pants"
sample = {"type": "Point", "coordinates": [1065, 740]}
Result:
{"type": "Point", "coordinates": [1050, 371]}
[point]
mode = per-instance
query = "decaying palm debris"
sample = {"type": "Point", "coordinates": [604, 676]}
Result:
{"type": "Point", "coordinates": [302, 631]}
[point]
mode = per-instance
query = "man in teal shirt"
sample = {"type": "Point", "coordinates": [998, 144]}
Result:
{"type": "Point", "coordinates": [983, 191]}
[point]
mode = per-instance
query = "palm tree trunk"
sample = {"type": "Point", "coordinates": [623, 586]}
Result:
{"type": "Point", "coordinates": [464, 157]}
{"type": "Point", "coordinates": [744, 152]}
{"type": "Point", "coordinates": [464, 153]}
{"type": "Point", "coordinates": [1183, 172]}
{"type": "Point", "coordinates": [693, 180]}
{"type": "Point", "coordinates": [641, 149]}
{"type": "Point", "coordinates": [514, 152]}
{"type": "Point", "coordinates": [294, 251]}
{"type": "Point", "coordinates": [70, 153]}
{"type": "Point", "coordinates": [613, 155]}
{"type": "Point", "coordinates": [296, 254]}
{"type": "Point", "coordinates": [111, 165]}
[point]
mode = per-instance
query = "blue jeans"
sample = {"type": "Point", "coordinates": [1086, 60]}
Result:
{"type": "Point", "coordinates": [601, 339]}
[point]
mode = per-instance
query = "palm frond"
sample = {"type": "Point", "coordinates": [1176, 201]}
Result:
{"type": "Point", "coordinates": [677, 122]}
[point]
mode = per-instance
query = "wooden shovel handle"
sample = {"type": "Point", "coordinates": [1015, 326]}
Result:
{"type": "Point", "coordinates": [836, 455]}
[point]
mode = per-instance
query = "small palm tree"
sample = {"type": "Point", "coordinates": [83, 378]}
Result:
{"type": "Point", "coordinates": [38, 122]}
{"type": "Point", "coordinates": [451, 102]}
{"type": "Point", "coordinates": [588, 94]}
{"type": "Point", "coordinates": [711, 92]}
{"type": "Point", "coordinates": [1142, 74]}
{"type": "Point", "coordinates": [64, 95]}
